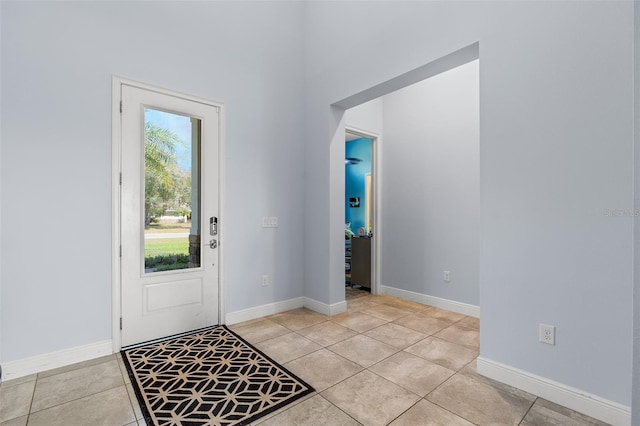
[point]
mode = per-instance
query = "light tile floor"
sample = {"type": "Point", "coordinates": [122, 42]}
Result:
{"type": "Point", "coordinates": [384, 361]}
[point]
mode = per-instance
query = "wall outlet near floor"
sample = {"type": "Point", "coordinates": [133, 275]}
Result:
{"type": "Point", "coordinates": [265, 280]}
{"type": "Point", "coordinates": [548, 334]}
{"type": "Point", "coordinates": [446, 276]}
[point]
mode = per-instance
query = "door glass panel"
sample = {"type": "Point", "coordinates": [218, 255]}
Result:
{"type": "Point", "coordinates": [171, 191]}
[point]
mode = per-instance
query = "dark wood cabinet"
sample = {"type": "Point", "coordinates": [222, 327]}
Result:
{"type": "Point", "coordinates": [361, 261]}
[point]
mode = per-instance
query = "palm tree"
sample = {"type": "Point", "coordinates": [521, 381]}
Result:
{"type": "Point", "coordinates": [160, 151]}
{"type": "Point", "coordinates": [160, 164]}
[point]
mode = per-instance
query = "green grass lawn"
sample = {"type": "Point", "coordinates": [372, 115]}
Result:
{"type": "Point", "coordinates": [166, 254]}
{"type": "Point", "coordinates": [163, 247]}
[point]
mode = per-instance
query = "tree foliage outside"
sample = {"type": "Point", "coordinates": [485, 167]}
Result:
{"type": "Point", "coordinates": [167, 187]}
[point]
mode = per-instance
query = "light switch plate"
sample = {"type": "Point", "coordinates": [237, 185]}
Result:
{"type": "Point", "coordinates": [270, 222]}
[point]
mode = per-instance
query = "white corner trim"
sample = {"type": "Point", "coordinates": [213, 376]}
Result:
{"type": "Point", "coordinates": [575, 399]}
{"type": "Point", "coordinates": [425, 299]}
{"type": "Point", "coordinates": [323, 308]}
{"type": "Point", "coordinates": [263, 310]}
{"type": "Point", "coordinates": [48, 361]}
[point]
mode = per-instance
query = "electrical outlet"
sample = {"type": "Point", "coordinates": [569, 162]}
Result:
{"type": "Point", "coordinates": [548, 334]}
{"type": "Point", "coordinates": [447, 276]}
{"type": "Point", "coordinates": [265, 280]}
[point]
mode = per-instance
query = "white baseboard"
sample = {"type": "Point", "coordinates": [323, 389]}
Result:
{"type": "Point", "coordinates": [449, 305]}
{"type": "Point", "coordinates": [285, 305]}
{"type": "Point", "coordinates": [575, 399]}
{"type": "Point", "coordinates": [48, 361]}
{"type": "Point", "coordinates": [263, 310]}
{"type": "Point", "coordinates": [323, 308]}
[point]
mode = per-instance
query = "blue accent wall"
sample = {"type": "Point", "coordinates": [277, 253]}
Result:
{"type": "Point", "coordinates": [355, 180]}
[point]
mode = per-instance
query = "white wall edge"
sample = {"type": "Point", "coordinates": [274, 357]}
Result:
{"type": "Point", "coordinates": [263, 310]}
{"type": "Point", "coordinates": [575, 399]}
{"type": "Point", "coordinates": [438, 302]}
{"type": "Point", "coordinates": [325, 309]}
{"type": "Point", "coordinates": [48, 361]}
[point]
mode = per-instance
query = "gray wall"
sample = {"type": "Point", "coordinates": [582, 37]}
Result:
{"type": "Point", "coordinates": [431, 186]}
{"type": "Point", "coordinates": [368, 116]}
{"type": "Point", "coordinates": [57, 62]}
{"type": "Point", "coordinates": [556, 149]}
{"type": "Point", "coordinates": [635, 419]}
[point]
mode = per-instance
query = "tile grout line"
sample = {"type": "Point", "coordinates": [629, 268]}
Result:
{"type": "Point", "coordinates": [396, 384]}
{"type": "Point", "coordinates": [347, 414]}
{"type": "Point", "coordinates": [442, 384]}
{"type": "Point", "coordinates": [527, 412]}
{"type": "Point", "coordinates": [75, 399]}
{"type": "Point", "coordinates": [84, 364]}
{"type": "Point", "coordinates": [33, 394]}
{"type": "Point", "coordinates": [454, 343]}
{"type": "Point", "coordinates": [124, 379]}
{"type": "Point", "coordinates": [284, 409]}
{"type": "Point", "coordinates": [402, 414]}
{"type": "Point", "coordinates": [322, 347]}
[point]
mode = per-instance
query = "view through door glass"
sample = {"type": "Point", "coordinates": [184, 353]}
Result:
{"type": "Point", "coordinates": [172, 145]}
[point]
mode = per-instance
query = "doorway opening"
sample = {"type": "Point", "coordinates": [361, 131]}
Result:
{"type": "Point", "coordinates": [360, 212]}
{"type": "Point", "coordinates": [427, 243]}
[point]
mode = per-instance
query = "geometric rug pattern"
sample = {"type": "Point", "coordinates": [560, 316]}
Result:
{"type": "Point", "coordinates": [209, 377]}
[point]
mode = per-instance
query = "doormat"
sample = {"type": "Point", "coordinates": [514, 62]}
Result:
{"type": "Point", "coordinates": [209, 377]}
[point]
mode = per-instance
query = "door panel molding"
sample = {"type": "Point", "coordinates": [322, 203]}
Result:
{"type": "Point", "coordinates": [116, 229]}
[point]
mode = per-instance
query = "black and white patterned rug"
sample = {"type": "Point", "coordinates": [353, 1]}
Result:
{"type": "Point", "coordinates": [209, 377]}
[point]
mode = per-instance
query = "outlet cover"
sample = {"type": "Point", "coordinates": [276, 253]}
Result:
{"type": "Point", "coordinates": [446, 276]}
{"type": "Point", "coordinates": [548, 334]}
{"type": "Point", "coordinates": [265, 280]}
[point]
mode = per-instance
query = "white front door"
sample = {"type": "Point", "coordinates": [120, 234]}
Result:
{"type": "Point", "coordinates": [169, 214]}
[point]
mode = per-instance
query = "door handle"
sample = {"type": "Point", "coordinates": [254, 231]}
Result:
{"type": "Point", "coordinates": [213, 244]}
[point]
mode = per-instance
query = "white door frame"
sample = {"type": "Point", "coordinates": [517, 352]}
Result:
{"type": "Point", "coordinates": [116, 167]}
{"type": "Point", "coordinates": [376, 173]}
